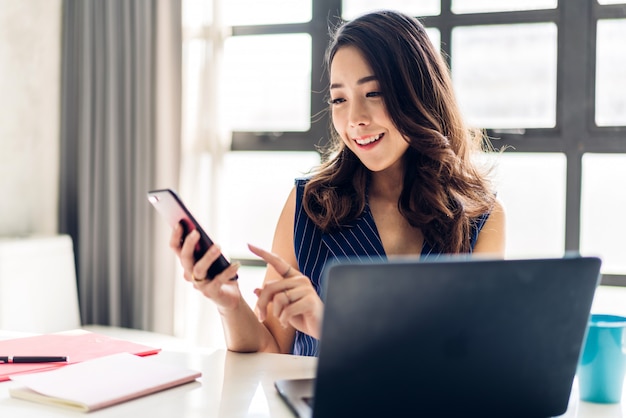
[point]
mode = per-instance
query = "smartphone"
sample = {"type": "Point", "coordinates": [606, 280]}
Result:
{"type": "Point", "coordinates": [174, 211]}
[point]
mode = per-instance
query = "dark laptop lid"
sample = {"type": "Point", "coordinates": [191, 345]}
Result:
{"type": "Point", "coordinates": [443, 338]}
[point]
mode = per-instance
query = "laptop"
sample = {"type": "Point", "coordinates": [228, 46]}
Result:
{"type": "Point", "coordinates": [458, 337]}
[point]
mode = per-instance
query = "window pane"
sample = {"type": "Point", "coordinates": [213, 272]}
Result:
{"type": "Point", "coordinates": [263, 12]}
{"type": "Point", "coordinates": [250, 278]}
{"type": "Point", "coordinates": [505, 75]}
{"type": "Point", "coordinates": [485, 6]}
{"type": "Point", "coordinates": [611, 73]}
{"type": "Point", "coordinates": [603, 226]}
{"type": "Point", "coordinates": [531, 187]}
{"type": "Point", "coordinates": [193, 65]}
{"type": "Point", "coordinates": [255, 186]}
{"type": "Point", "coordinates": [196, 13]}
{"type": "Point", "coordinates": [354, 8]}
{"type": "Point", "coordinates": [435, 37]}
{"type": "Point", "coordinates": [267, 83]}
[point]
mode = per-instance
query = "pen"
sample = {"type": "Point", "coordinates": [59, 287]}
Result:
{"type": "Point", "coordinates": [32, 359]}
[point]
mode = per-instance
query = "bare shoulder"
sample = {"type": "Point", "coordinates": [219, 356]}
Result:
{"type": "Point", "coordinates": [283, 247]}
{"type": "Point", "coordinates": [498, 211]}
{"type": "Point", "coordinates": [282, 244]}
{"type": "Point", "coordinates": [492, 237]}
{"type": "Point", "coordinates": [289, 209]}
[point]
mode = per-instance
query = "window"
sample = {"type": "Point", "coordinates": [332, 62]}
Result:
{"type": "Point", "coordinates": [532, 188]}
{"type": "Point", "coordinates": [611, 73]}
{"type": "Point", "coordinates": [516, 90]}
{"type": "Point", "coordinates": [603, 198]}
{"type": "Point", "coordinates": [265, 12]}
{"type": "Point", "coordinates": [353, 8]}
{"type": "Point", "coordinates": [267, 83]}
{"type": "Point", "coordinates": [545, 78]}
{"type": "Point", "coordinates": [487, 6]}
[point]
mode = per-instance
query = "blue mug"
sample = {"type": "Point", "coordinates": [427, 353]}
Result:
{"type": "Point", "coordinates": [603, 361]}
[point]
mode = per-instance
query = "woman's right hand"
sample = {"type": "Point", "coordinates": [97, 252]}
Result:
{"type": "Point", "coordinates": [223, 291]}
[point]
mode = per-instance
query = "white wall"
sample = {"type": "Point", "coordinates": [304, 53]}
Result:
{"type": "Point", "coordinates": [30, 71]}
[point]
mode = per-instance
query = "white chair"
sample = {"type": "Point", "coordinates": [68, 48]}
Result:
{"type": "Point", "coordinates": [38, 291]}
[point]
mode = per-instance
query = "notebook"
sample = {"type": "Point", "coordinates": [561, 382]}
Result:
{"type": "Point", "coordinates": [77, 345]}
{"type": "Point", "coordinates": [101, 382]}
{"type": "Point", "coordinates": [449, 338]}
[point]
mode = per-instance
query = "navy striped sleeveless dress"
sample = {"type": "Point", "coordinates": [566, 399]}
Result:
{"type": "Point", "coordinates": [358, 240]}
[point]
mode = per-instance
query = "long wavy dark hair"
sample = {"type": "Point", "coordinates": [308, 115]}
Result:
{"type": "Point", "coordinates": [443, 190]}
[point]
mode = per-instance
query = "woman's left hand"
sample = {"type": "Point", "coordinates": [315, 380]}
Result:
{"type": "Point", "coordinates": [294, 300]}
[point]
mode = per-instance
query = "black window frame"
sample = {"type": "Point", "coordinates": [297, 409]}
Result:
{"type": "Point", "coordinates": [575, 133]}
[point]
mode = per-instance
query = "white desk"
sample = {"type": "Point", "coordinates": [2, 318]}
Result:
{"type": "Point", "coordinates": [232, 385]}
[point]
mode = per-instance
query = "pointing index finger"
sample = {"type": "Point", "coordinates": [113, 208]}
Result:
{"type": "Point", "coordinates": [281, 266]}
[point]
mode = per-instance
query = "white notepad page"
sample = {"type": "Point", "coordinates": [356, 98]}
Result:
{"type": "Point", "coordinates": [101, 382]}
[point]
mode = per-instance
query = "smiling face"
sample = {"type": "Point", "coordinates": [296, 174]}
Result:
{"type": "Point", "coordinates": [359, 113]}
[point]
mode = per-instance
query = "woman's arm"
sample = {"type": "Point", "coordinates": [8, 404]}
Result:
{"type": "Point", "coordinates": [276, 335]}
{"type": "Point", "coordinates": [492, 237]}
{"type": "Point", "coordinates": [287, 300]}
{"type": "Point", "coordinates": [243, 330]}
{"type": "Point", "coordinates": [283, 247]}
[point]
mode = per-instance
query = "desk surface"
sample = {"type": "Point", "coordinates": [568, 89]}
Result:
{"type": "Point", "coordinates": [232, 385]}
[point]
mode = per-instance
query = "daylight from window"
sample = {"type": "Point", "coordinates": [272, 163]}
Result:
{"type": "Point", "coordinates": [505, 76]}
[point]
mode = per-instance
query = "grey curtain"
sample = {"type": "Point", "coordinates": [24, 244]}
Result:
{"type": "Point", "coordinates": [120, 137]}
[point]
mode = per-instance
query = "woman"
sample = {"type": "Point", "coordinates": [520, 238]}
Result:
{"type": "Point", "coordinates": [398, 180]}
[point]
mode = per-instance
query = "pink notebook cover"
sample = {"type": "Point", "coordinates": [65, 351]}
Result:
{"type": "Point", "coordinates": [77, 345]}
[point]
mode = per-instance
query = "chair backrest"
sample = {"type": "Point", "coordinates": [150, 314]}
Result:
{"type": "Point", "coordinates": [38, 291]}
